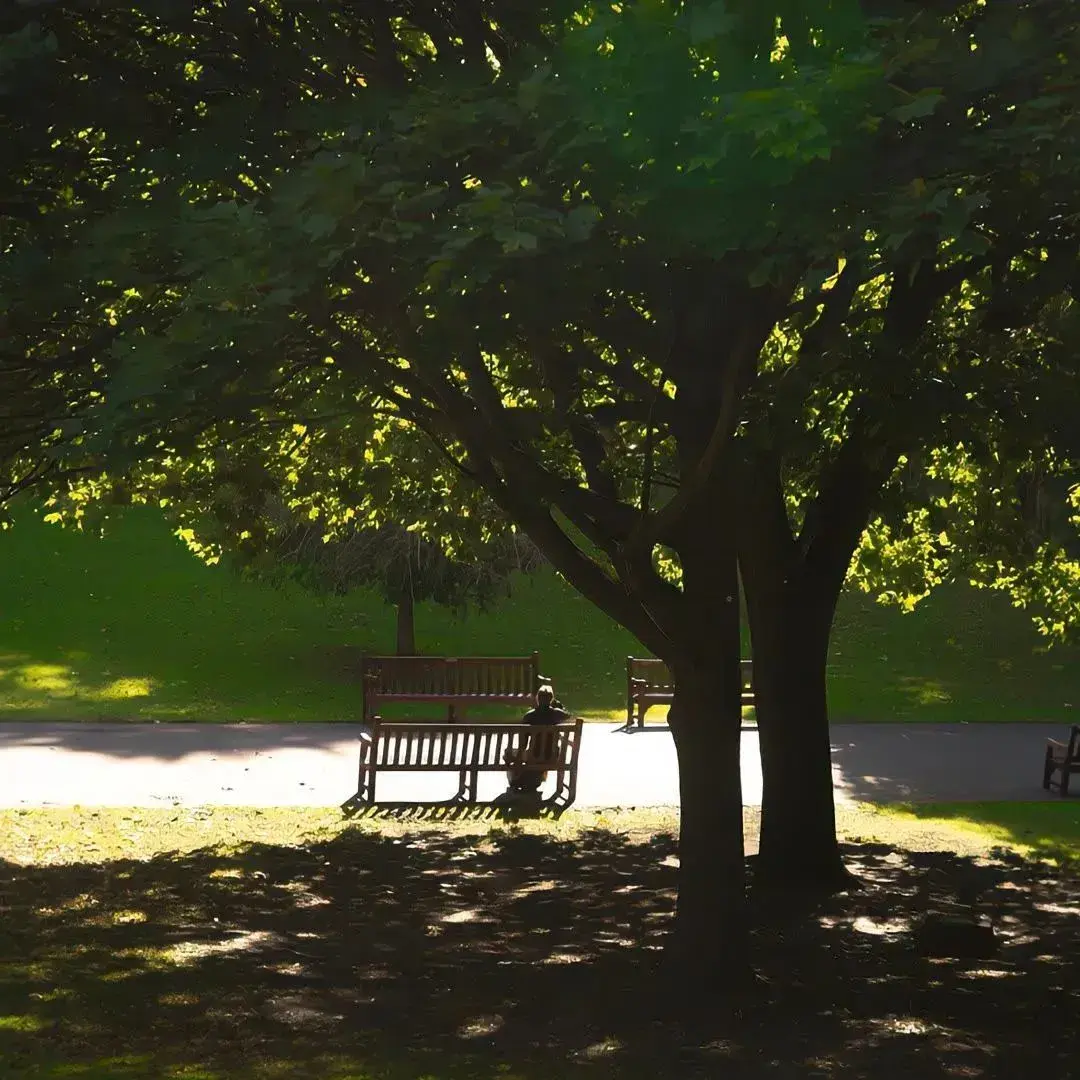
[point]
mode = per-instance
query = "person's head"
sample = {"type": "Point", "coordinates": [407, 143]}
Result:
{"type": "Point", "coordinates": [545, 696]}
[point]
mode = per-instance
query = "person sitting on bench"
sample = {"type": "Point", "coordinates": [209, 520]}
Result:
{"type": "Point", "coordinates": [524, 774]}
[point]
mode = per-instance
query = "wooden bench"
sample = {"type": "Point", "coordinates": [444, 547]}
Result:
{"type": "Point", "coordinates": [450, 680]}
{"type": "Point", "coordinates": [648, 683]}
{"type": "Point", "coordinates": [467, 749]}
{"type": "Point", "coordinates": [1062, 758]}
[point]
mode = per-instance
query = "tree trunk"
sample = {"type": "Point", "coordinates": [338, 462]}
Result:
{"type": "Point", "coordinates": [406, 628]}
{"type": "Point", "coordinates": [789, 630]}
{"type": "Point", "coordinates": [709, 946]}
{"type": "Point", "coordinates": [791, 588]}
{"type": "Point", "coordinates": [709, 949]}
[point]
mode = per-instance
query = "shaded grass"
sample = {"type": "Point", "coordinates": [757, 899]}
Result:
{"type": "Point", "coordinates": [132, 626]}
{"type": "Point", "coordinates": [396, 950]}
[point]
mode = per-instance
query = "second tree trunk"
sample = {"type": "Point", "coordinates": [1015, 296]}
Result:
{"type": "Point", "coordinates": [789, 628]}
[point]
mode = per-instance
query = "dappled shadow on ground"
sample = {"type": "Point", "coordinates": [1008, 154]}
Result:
{"type": "Point", "coordinates": [451, 955]}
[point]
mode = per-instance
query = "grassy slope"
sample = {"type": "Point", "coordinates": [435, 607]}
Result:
{"type": "Point", "coordinates": [132, 626]}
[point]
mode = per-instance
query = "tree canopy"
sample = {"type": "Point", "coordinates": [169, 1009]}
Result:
{"type": "Point", "coordinates": [683, 287]}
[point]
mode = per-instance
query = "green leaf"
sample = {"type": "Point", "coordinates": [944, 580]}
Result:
{"type": "Point", "coordinates": [709, 21]}
{"type": "Point", "coordinates": [923, 104]}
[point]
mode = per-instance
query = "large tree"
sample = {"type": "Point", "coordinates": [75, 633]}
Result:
{"type": "Point", "coordinates": [680, 296]}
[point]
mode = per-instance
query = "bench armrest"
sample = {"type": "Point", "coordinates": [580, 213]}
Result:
{"type": "Point", "coordinates": [1055, 744]}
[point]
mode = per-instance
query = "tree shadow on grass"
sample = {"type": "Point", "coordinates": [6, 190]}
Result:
{"type": "Point", "coordinates": [505, 953]}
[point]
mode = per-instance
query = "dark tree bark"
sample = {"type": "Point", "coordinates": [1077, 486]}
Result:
{"type": "Point", "coordinates": [406, 626]}
{"type": "Point", "coordinates": [792, 587]}
{"type": "Point", "coordinates": [709, 946]}
{"type": "Point", "coordinates": [708, 951]}
{"type": "Point", "coordinates": [790, 625]}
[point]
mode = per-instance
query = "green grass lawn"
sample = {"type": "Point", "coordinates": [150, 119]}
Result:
{"type": "Point", "coordinates": [132, 626]}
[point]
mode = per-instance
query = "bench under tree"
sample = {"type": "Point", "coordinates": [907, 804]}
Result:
{"type": "Point", "coordinates": [469, 749]}
{"type": "Point", "coordinates": [649, 683]}
{"type": "Point", "coordinates": [1063, 758]}
{"type": "Point", "coordinates": [456, 682]}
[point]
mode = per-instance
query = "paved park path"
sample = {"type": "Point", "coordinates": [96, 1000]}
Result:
{"type": "Point", "coordinates": [56, 764]}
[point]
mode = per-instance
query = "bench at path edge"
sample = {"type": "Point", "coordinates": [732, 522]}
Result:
{"type": "Point", "coordinates": [1064, 758]}
{"type": "Point", "coordinates": [648, 683]}
{"type": "Point", "coordinates": [450, 680]}
{"type": "Point", "coordinates": [467, 749]}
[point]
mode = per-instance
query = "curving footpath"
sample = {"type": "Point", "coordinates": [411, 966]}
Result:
{"type": "Point", "coordinates": [67, 764]}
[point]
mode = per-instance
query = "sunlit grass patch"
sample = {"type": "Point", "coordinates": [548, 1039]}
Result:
{"type": "Point", "coordinates": [1047, 830]}
{"type": "Point", "coordinates": [22, 1023]}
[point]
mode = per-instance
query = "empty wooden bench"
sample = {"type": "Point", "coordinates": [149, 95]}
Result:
{"type": "Point", "coordinates": [467, 749]}
{"type": "Point", "coordinates": [648, 683]}
{"type": "Point", "coordinates": [454, 681]}
{"type": "Point", "coordinates": [1063, 758]}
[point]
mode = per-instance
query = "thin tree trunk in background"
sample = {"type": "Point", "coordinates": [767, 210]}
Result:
{"type": "Point", "coordinates": [406, 625]}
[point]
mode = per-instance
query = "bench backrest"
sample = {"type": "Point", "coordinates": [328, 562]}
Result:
{"type": "Point", "coordinates": [446, 676]}
{"type": "Point", "coordinates": [654, 673]}
{"type": "Point", "coordinates": [432, 745]}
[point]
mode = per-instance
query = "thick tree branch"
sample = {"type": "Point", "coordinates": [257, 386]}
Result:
{"type": "Point", "coordinates": [698, 480]}
{"type": "Point", "coordinates": [564, 378]}
{"type": "Point", "coordinates": [851, 481]}
{"type": "Point", "coordinates": [582, 572]}
{"type": "Point", "coordinates": [603, 519]}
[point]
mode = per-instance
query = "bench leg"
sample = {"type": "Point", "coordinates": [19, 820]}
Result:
{"type": "Point", "coordinates": [366, 789]}
{"type": "Point", "coordinates": [1048, 769]}
{"type": "Point", "coordinates": [1066, 772]}
{"type": "Point", "coordinates": [463, 784]}
{"type": "Point", "coordinates": [560, 783]}
{"type": "Point", "coordinates": [571, 788]}
{"type": "Point", "coordinates": [365, 781]}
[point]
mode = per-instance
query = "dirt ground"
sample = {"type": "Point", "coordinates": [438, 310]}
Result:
{"type": "Point", "coordinates": [404, 948]}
